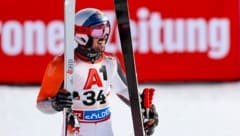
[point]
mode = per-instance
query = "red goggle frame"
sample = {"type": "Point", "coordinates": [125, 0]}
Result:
{"type": "Point", "coordinates": [96, 31]}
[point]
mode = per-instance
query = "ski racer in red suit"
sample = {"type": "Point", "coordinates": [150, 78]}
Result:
{"type": "Point", "coordinates": [96, 75]}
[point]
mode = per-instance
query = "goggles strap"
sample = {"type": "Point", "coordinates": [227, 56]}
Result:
{"type": "Point", "coordinates": [82, 30]}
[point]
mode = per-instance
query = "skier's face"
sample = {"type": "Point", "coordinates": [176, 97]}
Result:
{"type": "Point", "coordinates": [100, 34]}
{"type": "Point", "coordinates": [99, 43]}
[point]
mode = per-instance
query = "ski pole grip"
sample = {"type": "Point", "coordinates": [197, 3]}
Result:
{"type": "Point", "coordinates": [148, 97]}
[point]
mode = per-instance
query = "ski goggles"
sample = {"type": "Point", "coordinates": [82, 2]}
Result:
{"type": "Point", "coordinates": [96, 31]}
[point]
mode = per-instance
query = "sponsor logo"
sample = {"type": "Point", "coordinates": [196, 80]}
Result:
{"type": "Point", "coordinates": [151, 33]}
{"type": "Point", "coordinates": [93, 115]}
{"type": "Point", "coordinates": [70, 66]}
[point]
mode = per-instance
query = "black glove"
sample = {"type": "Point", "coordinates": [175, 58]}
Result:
{"type": "Point", "coordinates": [62, 100]}
{"type": "Point", "coordinates": [150, 115]}
{"type": "Point", "coordinates": [151, 121]}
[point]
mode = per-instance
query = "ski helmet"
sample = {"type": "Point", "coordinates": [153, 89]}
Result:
{"type": "Point", "coordinates": [90, 23]}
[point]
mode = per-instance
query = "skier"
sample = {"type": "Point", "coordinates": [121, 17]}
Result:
{"type": "Point", "coordinates": [96, 75]}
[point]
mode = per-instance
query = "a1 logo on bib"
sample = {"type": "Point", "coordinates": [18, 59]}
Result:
{"type": "Point", "coordinates": [94, 78]}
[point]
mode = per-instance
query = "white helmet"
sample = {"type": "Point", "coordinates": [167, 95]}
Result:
{"type": "Point", "coordinates": [90, 23]}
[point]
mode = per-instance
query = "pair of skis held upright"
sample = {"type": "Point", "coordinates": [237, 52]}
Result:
{"type": "Point", "coordinates": [121, 9]}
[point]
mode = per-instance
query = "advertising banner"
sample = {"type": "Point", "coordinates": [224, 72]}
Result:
{"type": "Point", "coordinates": [172, 40]}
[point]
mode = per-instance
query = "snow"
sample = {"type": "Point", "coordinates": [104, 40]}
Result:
{"type": "Point", "coordinates": [203, 109]}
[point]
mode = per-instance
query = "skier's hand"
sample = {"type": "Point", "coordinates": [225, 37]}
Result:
{"type": "Point", "coordinates": [150, 122]}
{"type": "Point", "coordinates": [62, 100]}
{"type": "Point", "coordinates": [150, 115]}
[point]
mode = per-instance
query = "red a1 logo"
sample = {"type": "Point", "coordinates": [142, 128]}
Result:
{"type": "Point", "coordinates": [93, 79]}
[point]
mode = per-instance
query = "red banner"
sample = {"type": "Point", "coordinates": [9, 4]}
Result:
{"type": "Point", "coordinates": [173, 41]}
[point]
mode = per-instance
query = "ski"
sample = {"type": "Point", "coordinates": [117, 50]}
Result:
{"type": "Point", "coordinates": [69, 21]}
{"type": "Point", "coordinates": [121, 9]}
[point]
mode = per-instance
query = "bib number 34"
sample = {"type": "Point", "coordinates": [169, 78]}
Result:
{"type": "Point", "coordinates": [92, 97]}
